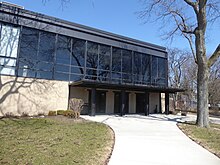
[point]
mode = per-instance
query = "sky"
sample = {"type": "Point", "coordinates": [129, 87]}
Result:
{"type": "Point", "coordinates": [116, 16]}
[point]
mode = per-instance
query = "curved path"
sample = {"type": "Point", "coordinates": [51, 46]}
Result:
{"type": "Point", "coordinates": [153, 140]}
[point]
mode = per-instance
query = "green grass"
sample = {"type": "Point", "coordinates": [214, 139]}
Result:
{"type": "Point", "coordinates": [49, 141]}
{"type": "Point", "coordinates": [209, 138]}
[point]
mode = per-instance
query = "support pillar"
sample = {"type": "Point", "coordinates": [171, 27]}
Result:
{"type": "Point", "coordinates": [122, 103]}
{"type": "Point", "coordinates": [167, 103]}
{"type": "Point", "coordinates": [93, 102]}
{"type": "Point", "coordinates": [146, 109]}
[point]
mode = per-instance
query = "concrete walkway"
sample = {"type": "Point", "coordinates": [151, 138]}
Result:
{"type": "Point", "coordinates": [153, 140]}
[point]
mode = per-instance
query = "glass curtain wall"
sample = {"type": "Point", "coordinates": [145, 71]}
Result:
{"type": "Point", "coordinates": [53, 56]}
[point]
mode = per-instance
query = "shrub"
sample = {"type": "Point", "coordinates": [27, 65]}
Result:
{"type": "Point", "coordinates": [40, 114]}
{"type": "Point", "coordinates": [24, 114]}
{"type": "Point", "coordinates": [60, 112]}
{"type": "Point", "coordinates": [52, 113]}
{"type": "Point", "coordinates": [76, 106]}
{"type": "Point", "coordinates": [9, 114]}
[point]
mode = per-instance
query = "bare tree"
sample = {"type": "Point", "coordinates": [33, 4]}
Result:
{"type": "Point", "coordinates": [177, 59]}
{"type": "Point", "coordinates": [214, 84]}
{"type": "Point", "coordinates": [189, 19]}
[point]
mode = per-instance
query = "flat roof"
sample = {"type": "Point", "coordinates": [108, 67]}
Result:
{"type": "Point", "coordinates": [128, 87]}
{"type": "Point", "coordinates": [52, 20]}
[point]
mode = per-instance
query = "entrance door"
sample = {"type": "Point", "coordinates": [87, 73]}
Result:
{"type": "Point", "coordinates": [100, 101]}
{"type": "Point", "coordinates": [140, 102]}
{"type": "Point", "coordinates": [117, 102]}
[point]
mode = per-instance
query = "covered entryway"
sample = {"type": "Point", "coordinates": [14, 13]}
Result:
{"type": "Point", "coordinates": [118, 102]}
{"type": "Point", "coordinates": [140, 102]}
{"type": "Point", "coordinates": [100, 99]}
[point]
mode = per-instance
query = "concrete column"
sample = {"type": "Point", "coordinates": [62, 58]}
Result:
{"type": "Point", "coordinates": [167, 103]}
{"type": "Point", "coordinates": [122, 103]}
{"type": "Point", "coordinates": [93, 101]}
{"type": "Point", "coordinates": [146, 112]}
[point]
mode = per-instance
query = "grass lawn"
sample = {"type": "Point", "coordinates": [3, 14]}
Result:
{"type": "Point", "coordinates": [54, 141]}
{"type": "Point", "coordinates": [208, 138]}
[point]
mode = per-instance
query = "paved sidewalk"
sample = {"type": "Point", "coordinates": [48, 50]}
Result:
{"type": "Point", "coordinates": [153, 140]}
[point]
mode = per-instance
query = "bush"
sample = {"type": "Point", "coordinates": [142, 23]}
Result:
{"type": "Point", "coordinates": [71, 114]}
{"type": "Point", "coordinates": [68, 113]}
{"type": "Point", "coordinates": [60, 112]}
{"type": "Point", "coordinates": [52, 113]}
{"type": "Point", "coordinates": [24, 114]}
{"type": "Point", "coordinates": [76, 106]}
{"type": "Point", "coordinates": [9, 115]}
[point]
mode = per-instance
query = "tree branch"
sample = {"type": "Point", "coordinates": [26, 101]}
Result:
{"type": "Point", "coordinates": [194, 5]}
{"type": "Point", "coordinates": [214, 57]}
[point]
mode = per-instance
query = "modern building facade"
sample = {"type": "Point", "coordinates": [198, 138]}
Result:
{"type": "Point", "coordinates": [45, 61]}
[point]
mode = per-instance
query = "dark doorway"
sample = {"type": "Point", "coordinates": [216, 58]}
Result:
{"type": "Point", "coordinates": [117, 102]}
{"type": "Point", "coordinates": [100, 101]}
{"type": "Point", "coordinates": [140, 102]}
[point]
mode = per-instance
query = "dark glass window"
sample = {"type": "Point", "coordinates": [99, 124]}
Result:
{"type": "Point", "coordinates": [78, 53]}
{"type": "Point", "coordinates": [75, 77]}
{"type": "Point", "coordinates": [45, 75]}
{"type": "Point", "coordinates": [61, 76]}
{"type": "Point", "coordinates": [104, 75]}
{"type": "Point", "coordinates": [145, 68]}
{"type": "Point", "coordinates": [62, 68]}
{"type": "Point", "coordinates": [91, 74]}
{"type": "Point", "coordinates": [116, 60]}
{"type": "Point", "coordinates": [77, 70]}
{"type": "Point", "coordinates": [63, 50]}
{"type": "Point", "coordinates": [161, 67]}
{"type": "Point", "coordinates": [116, 65]}
{"type": "Point", "coordinates": [28, 48]}
{"type": "Point", "coordinates": [104, 57]}
{"type": "Point", "coordinates": [92, 55]}
{"type": "Point", "coordinates": [46, 47]}
{"type": "Point", "coordinates": [154, 72]}
{"type": "Point", "coordinates": [126, 61]}
{"type": "Point", "coordinates": [137, 63]}
{"type": "Point", "coordinates": [29, 44]}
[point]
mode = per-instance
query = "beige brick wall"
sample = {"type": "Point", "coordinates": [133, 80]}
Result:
{"type": "Point", "coordinates": [163, 102]}
{"type": "Point", "coordinates": [32, 96]}
{"type": "Point", "coordinates": [132, 102]}
{"type": "Point", "coordinates": [110, 102]}
{"type": "Point", "coordinates": [154, 100]}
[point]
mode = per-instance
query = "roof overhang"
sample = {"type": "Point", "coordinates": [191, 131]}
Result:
{"type": "Point", "coordinates": [128, 87]}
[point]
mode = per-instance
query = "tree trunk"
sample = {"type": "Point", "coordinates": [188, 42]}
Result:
{"type": "Point", "coordinates": [202, 94]}
{"type": "Point", "coordinates": [202, 80]}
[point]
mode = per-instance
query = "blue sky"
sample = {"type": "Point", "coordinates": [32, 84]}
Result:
{"type": "Point", "coordinates": [116, 16]}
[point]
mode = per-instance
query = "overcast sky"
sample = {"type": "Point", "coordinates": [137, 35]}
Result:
{"type": "Point", "coordinates": [116, 16]}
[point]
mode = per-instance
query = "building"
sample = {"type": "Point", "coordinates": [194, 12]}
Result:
{"type": "Point", "coordinates": [45, 61]}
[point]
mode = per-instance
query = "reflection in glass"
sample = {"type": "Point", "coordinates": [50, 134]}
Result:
{"type": "Point", "coordinates": [9, 41]}
{"type": "Point", "coordinates": [154, 72]}
{"type": "Point", "coordinates": [161, 68]}
{"type": "Point", "coordinates": [28, 48]}
{"type": "Point", "coordinates": [91, 74]}
{"type": "Point", "coordinates": [46, 47]}
{"type": "Point", "coordinates": [145, 68]}
{"type": "Point", "coordinates": [116, 59]}
{"type": "Point", "coordinates": [78, 53]}
{"type": "Point", "coordinates": [9, 37]}
{"type": "Point", "coordinates": [63, 50]}
{"type": "Point", "coordinates": [126, 61]}
{"type": "Point", "coordinates": [92, 55]}
{"type": "Point", "coordinates": [104, 57]}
